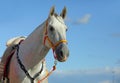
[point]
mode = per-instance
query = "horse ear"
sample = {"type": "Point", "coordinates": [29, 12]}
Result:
{"type": "Point", "coordinates": [52, 10]}
{"type": "Point", "coordinates": [63, 14]}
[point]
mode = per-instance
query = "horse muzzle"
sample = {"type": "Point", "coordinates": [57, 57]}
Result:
{"type": "Point", "coordinates": [62, 52]}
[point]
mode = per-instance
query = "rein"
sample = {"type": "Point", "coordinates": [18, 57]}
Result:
{"type": "Point", "coordinates": [25, 70]}
{"type": "Point", "coordinates": [37, 74]}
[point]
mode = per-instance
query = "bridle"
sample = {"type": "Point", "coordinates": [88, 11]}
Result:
{"type": "Point", "coordinates": [52, 45]}
{"type": "Point", "coordinates": [24, 69]}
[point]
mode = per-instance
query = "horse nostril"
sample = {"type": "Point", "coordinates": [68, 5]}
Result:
{"type": "Point", "coordinates": [61, 54]}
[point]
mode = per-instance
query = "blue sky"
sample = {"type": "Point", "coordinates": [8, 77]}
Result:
{"type": "Point", "coordinates": [93, 35]}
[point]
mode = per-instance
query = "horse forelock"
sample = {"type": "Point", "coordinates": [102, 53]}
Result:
{"type": "Point", "coordinates": [59, 18]}
{"type": "Point", "coordinates": [55, 14]}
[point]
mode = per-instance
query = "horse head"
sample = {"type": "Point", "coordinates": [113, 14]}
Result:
{"type": "Point", "coordinates": [55, 34]}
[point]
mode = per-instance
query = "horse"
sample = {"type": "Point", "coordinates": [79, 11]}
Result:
{"type": "Point", "coordinates": [27, 64]}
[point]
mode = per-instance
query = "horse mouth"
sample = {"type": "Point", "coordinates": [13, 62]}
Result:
{"type": "Point", "coordinates": [61, 59]}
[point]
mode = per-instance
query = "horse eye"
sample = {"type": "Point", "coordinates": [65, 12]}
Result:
{"type": "Point", "coordinates": [66, 29]}
{"type": "Point", "coordinates": [51, 28]}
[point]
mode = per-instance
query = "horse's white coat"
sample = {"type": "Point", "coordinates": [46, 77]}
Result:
{"type": "Point", "coordinates": [32, 51]}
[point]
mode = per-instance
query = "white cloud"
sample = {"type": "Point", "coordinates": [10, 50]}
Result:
{"type": "Point", "coordinates": [83, 20]}
{"type": "Point", "coordinates": [99, 75]}
{"type": "Point", "coordinates": [106, 81]}
{"type": "Point", "coordinates": [97, 71]}
{"type": "Point", "coordinates": [116, 70]}
{"type": "Point", "coordinates": [116, 35]}
{"type": "Point", "coordinates": [118, 62]}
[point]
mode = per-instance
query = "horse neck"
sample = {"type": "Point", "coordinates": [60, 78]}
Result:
{"type": "Point", "coordinates": [32, 50]}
